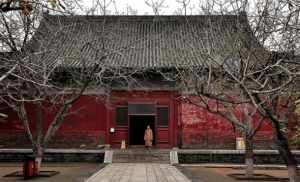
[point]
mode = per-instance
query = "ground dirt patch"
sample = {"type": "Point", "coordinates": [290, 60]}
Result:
{"type": "Point", "coordinates": [41, 174]}
{"type": "Point", "coordinates": [256, 177]}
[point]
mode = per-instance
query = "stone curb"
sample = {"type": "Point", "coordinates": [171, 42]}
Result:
{"type": "Point", "coordinates": [52, 151]}
{"type": "Point", "coordinates": [197, 151]}
{"type": "Point", "coordinates": [262, 166]}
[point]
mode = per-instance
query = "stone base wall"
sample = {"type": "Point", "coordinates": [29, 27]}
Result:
{"type": "Point", "coordinates": [230, 144]}
{"type": "Point", "coordinates": [233, 158]}
{"type": "Point", "coordinates": [54, 157]}
{"type": "Point", "coordinates": [68, 140]}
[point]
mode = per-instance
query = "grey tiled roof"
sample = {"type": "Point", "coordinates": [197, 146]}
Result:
{"type": "Point", "coordinates": [138, 41]}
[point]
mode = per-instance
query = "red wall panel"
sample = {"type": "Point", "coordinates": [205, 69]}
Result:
{"type": "Point", "coordinates": [84, 123]}
{"type": "Point", "coordinates": [202, 129]}
{"type": "Point", "coordinates": [90, 119]}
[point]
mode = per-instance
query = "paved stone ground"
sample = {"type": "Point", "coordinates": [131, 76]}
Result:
{"type": "Point", "coordinates": [68, 172]}
{"type": "Point", "coordinates": [138, 172]}
{"type": "Point", "coordinates": [204, 174]}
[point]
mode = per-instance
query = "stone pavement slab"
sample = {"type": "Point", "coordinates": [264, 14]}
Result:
{"type": "Point", "coordinates": [68, 172]}
{"type": "Point", "coordinates": [138, 172]}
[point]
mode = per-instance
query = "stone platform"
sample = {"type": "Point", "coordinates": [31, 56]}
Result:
{"type": "Point", "coordinates": [141, 155]}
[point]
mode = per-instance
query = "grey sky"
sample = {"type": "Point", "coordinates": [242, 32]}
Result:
{"type": "Point", "coordinates": [140, 6]}
{"type": "Point", "coordinates": [170, 6]}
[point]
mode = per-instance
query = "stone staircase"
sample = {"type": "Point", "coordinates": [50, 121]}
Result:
{"type": "Point", "coordinates": [140, 155]}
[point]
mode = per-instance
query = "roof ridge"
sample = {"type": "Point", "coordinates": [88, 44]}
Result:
{"type": "Point", "coordinates": [143, 18]}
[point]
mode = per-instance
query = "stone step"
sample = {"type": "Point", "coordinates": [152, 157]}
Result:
{"type": "Point", "coordinates": [141, 156]}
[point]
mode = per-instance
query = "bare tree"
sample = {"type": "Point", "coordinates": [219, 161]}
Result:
{"type": "Point", "coordinates": [37, 82]}
{"type": "Point", "coordinates": [263, 87]}
{"type": "Point", "coordinates": [241, 71]}
{"type": "Point", "coordinates": [130, 10]}
{"type": "Point", "coordinates": [183, 6]}
{"type": "Point", "coordinates": [274, 23]}
{"type": "Point", "coordinates": [101, 7]}
{"type": "Point", "coordinates": [239, 113]}
{"type": "Point", "coordinates": [33, 69]}
{"type": "Point", "coordinates": [157, 6]}
{"type": "Point", "coordinates": [26, 7]}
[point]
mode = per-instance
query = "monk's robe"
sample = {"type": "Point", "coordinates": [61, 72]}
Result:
{"type": "Point", "coordinates": [148, 137]}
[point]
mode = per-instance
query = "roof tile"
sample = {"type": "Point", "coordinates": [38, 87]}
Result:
{"type": "Point", "coordinates": [136, 41]}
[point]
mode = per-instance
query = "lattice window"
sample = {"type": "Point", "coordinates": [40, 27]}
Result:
{"type": "Point", "coordinates": [141, 109]}
{"type": "Point", "coordinates": [163, 116]}
{"type": "Point", "coordinates": [121, 116]}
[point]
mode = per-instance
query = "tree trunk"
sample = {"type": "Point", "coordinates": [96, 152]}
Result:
{"type": "Point", "coordinates": [22, 114]}
{"type": "Point", "coordinates": [249, 156]}
{"type": "Point", "coordinates": [56, 123]}
{"type": "Point", "coordinates": [39, 150]}
{"type": "Point", "coordinates": [39, 153]}
{"type": "Point", "coordinates": [287, 155]}
{"type": "Point", "coordinates": [281, 140]}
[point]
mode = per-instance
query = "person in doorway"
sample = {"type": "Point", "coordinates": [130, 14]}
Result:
{"type": "Point", "coordinates": [148, 137]}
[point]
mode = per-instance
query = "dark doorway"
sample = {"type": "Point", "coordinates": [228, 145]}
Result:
{"type": "Point", "coordinates": [137, 127]}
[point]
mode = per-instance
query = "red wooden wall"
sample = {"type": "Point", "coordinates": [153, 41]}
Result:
{"type": "Point", "coordinates": [209, 131]}
{"type": "Point", "coordinates": [91, 117]}
{"type": "Point", "coordinates": [85, 124]}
